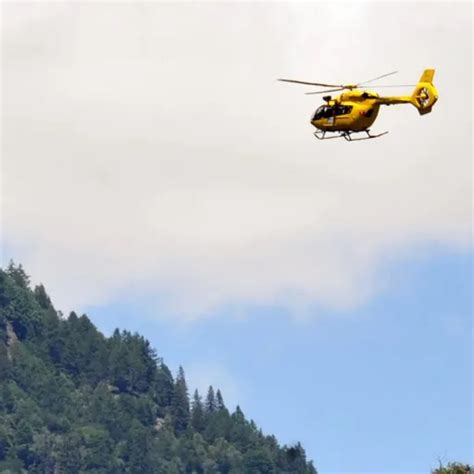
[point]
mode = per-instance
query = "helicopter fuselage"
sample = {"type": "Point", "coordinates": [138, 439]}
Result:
{"type": "Point", "coordinates": [354, 110]}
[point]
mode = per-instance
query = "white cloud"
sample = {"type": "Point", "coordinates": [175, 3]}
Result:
{"type": "Point", "coordinates": [149, 146]}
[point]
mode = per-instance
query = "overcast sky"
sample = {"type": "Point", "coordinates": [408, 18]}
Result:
{"type": "Point", "coordinates": [149, 151]}
{"type": "Point", "coordinates": [150, 144]}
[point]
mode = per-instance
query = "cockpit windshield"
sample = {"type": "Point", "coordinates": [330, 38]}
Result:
{"type": "Point", "coordinates": [327, 111]}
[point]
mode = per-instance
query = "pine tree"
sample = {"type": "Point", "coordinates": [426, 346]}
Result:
{"type": "Point", "coordinates": [164, 388]}
{"type": "Point", "coordinates": [18, 274]}
{"type": "Point", "coordinates": [197, 413]}
{"type": "Point", "coordinates": [257, 460]}
{"type": "Point", "coordinates": [180, 406]}
{"type": "Point", "coordinates": [219, 401]}
{"type": "Point", "coordinates": [295, 458]}
{"type": "Point", "coordinates": [42, 297]}
{"type": "Point", "coordinates": [210, 401]}
{"type": "Point", "coordinates": [238, 415]}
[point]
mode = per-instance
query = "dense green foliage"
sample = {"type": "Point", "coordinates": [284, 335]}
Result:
{"type": "Point", "coordinates": [453, 468]}
{"type": "Point", "coordinates": [72, 400]}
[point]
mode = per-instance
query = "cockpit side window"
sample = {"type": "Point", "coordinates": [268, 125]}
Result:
{"type": "Point", "coordinates": [343, 109]}
{"type": "Point", "coordinates": [329, 112]}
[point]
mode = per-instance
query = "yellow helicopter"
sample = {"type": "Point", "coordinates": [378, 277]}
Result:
{"type": "Point", "coordinates": [355, 111]}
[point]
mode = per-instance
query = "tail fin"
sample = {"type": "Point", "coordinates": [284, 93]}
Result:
{"type": "Point", "coordinates": [425, 94]}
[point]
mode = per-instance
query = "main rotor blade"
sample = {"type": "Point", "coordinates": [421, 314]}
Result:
{"type": "Point", "coordinates": [377, 78]}
{"type": "Point", "coordinates": [394, 85]}
{"type": "Point", "coordinates": [311, 83]}
{"type": "Point", "coordinates": [372, 87]}
{"type": "Point", "coordinates": [326, 91]}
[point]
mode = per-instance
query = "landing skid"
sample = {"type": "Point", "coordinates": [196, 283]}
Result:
{"type": "Point", "coordinates": [321, 135]}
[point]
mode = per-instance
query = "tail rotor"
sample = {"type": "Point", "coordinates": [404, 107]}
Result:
{"type": "Point", "coordinates": [425, 94]}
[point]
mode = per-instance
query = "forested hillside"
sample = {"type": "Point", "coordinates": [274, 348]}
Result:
{"type": "Point", "coordinates": [72, 400]}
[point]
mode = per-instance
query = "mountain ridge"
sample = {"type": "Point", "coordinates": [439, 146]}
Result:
{"type": "Point", "coordinates": [73, 400]}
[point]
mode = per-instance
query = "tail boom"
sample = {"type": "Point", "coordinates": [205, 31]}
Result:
{"type": "Point", "coordinates": [423, 97]}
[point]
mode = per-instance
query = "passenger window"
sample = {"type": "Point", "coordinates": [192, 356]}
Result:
{"type": "Point", "coordinates": [343, 109]}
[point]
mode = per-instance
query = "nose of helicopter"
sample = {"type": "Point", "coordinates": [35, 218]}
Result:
{"type": "Point", "coordinates": [317, 119]}
{"type": "Point", "coordinates": [317, 124]}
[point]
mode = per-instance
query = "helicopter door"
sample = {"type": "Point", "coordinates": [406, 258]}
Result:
{"type": "Point", "coordinates": [342, 112]}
